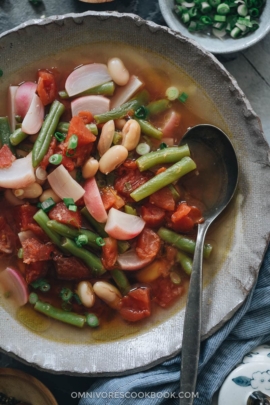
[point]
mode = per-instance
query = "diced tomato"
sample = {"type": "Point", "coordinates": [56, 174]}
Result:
{"type": "Point", "coordinates": [130, 164]}
{"type": "Point", "coordinates": [6, 157]}
{"type": "Point", "coordinates": [148, 244]}
{"type": "Point", "coordinates": [129, 180]}
{"type": "Point", "coordinates": [45, 161]}
{"type": "Point", "coordinates": [70, 268]}
{"type": "Point", "coordinates": [77, 127]}
{"type": "Point", "coordinates": [161, 170]}
{"type": "Point", "coordinates": [7, 238]}
{"type": "Point", "coordinates": [152, 215]}
{"type": "Point", "coordinates": [185, 218]}
{"type": "Point", "coordinates": [25, 221]}
{"type": "Point", "coordinates": [110, 198]}
{"type": "Point", "coordinates": [136, 305]}
{"type": "Point", "coordinates": [34, 271]}
{"type": "Point", "coordinates": [34, 251]}
{"type": "Point", "coordinates": [163, 198]}
{"type": "Point", "coordinates": [165, 291]}
{"type": "Point", "coordinates": [86, 116]}
{"type": "Point", "coordinates": [67, 162]}
{"type": "Point", "coordinates": [109, 253]}
{"type": "Point", "coordinates": [62, 214]}
{"type": "Point", "coordinates": [46, 87]}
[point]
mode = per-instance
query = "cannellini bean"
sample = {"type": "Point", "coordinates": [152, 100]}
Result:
{"type": "Point", "coordinates": [34, 190]}
{"type": "Point", "coordinates": [49, 193]}
{"type": "Point", "coordinates": [131, 133]}
{"type": "Point", "coordinates": [114, 157]}
{"type": "Point", "coordinates": [90, 168]}
{"type": "Point", "coordinates": [108, 293]}
{"type": "Point", "coordinates": [41, 175]}
{"type": "Point", "coordinates": [118, 71]}
{"type": "Point", "coordinates": [12, 199]}
{"type": "Point", "coordinates": [106, 137]}
{"type": "Point", "coordinates": [119, 124]}
{"type": "Point", "coordinates": [86, 293]}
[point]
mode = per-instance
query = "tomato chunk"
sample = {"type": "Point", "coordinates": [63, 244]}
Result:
{"type": "Point", "coordinates": [128, 180]}
{"type": "Point", "coordinates": [34, 271]}
{"type": "Point", "coordinates": [35, 251]}
{"type": "Point", "coordinates": [24, 214]}
{"type": "Point", "coordinates": [109, 253]}
{"type": "Point", "coordinates": [148, 244]}
{"type": "Point", "coordinates": [77, 127]}
{"type": "Point", "coordinates": [163, 198]}
{"type": "Point", "coordinates": [110, 198]}
{"type": "Point", "coordinates": [136, 305]}
{"type": "Point", "coordinates": [165, 291]}
{"type": "Point", "coordinates": [185, 218]}
{"type": "Point", "coordinates": [70, 268]}
{"type": "Point", "coordinates": [7, 237]}
{"type": "Point", "coordinates": [46, 87]}
{"type": "Point", "coordinates": [62, 214]}
{"type": "Point", "coordinates": [6, 157]}
{"type": "Point", "coordinates": [86, 116]}
{"type": "Point", "coordinates": [152, 215]}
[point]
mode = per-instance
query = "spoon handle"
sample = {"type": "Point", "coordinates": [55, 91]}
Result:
{"type": "Point", "coordinates": [192, 324]}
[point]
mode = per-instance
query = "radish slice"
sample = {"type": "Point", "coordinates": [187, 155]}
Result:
{"type": "Point", "coordinates": [23, 97]}
{"type": "Point", "coordinates": [13, 283]}
{"type": "Point", "coordinates": [173, 121]}
{"type": "Point", "coordinates": [93, 201]}
{"type": "Point", "coordinates": [19, 175]}
{"type": "Point", "coordinates": [123, 226]}
{"type": "Point", "coordinates": [33, 120]}
{"type": "Point", "coordinates": [24, 235]}
{"type": "Point", "coordinates": [11, 107]}
{"type": "Point", "coordinates": [124, 93]}
{"type": "Point", "coordinates": [64, 185]}
{"type": "Point", "coordinates": [131, 261]}
{"type": "Point", "coordinates": [86, 77]}
{"type": "Point", "coordinates": [94, 104]}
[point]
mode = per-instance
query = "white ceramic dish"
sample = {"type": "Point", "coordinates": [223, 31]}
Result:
{"type": "Point", "coordinates": [233, 269]}
{"type": "Point", "coordinates": [211, 43]}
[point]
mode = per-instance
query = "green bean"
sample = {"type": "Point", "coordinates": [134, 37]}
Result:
{"type": "Point", "coordinates": [105, 89]}
{"type": "Point", "coordinates": [64, 126]}
{"type": "Point", "coordinates": [5, 133]}
{"type": "Point", "coordinates": [185, 261]}
{"type": "Point", "coordinates": [17, 137]}
{"type": "Point", "coordinates": [149, 129]}
{"type": "Point", "coordinates": [163, 179]}
{"type": "Point", "coordinates": [175, 194]}
{"type": "Point", "coordinates": [158, 106]}
{"type": "Point", "coordinates": [46, 133]}
{"type": "Point", "coordinates": [162, 156]}
{"type": "Point", "coordinates": [59, 314]}
{"type": "Point", "coordinates": [99, 227]}
{"type": "Point", "coordinates": [42, 219]}
{"type": "Point", "coordinates": [123, 245]}
{"type": "Point", "coordinates": [121, 280]}
{"type": "Point", "coordinates": [91, 260]}
{"type": "Point", "coordinates": [70, 232]}
{"type": "Point", "coordinates": [182, 242]}
{"type": "Point", "coordinates": [120, 112]}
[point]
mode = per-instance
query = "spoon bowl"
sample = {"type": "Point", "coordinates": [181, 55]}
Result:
{"type": "Point", "coordinates": [214, 184]}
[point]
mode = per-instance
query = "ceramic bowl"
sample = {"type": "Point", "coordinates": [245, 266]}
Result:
{"type": "Point", "coordinates": [242, 232]}
{"type": "Point", "coordinates": [211, 43]}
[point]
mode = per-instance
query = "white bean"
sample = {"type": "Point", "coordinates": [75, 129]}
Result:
{"type": "Point", "coordinates": [90, 168]}
{"type": "Point", "coordinates": [118, 71]}
{"type": "Point", "coordinates": [131, 134]}
{"type": "Point", "coordinates": [86, 293]}
{"type": "Point", "coordinates": [49, 193]}
{"type": "Point", "coordinates": [108, 293]}
{"type": "Point", "coordinates": [119, 124]}
{"type": "Point", "coordinates": [114, 157]}
{"type": "Point", "coordinates": [41, 175]}
{"type": "Point", "coordinates": [106, 137]}
{"type": "Point", "coordinates": [34, 190]}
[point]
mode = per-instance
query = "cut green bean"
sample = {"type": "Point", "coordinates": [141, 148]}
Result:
{"type": "Point", "coordinates": [93, 128]}
{"type": "Point", "coordinates": [5, 134]}
{"type": "Point", "coordinates": [148, 129]}
{"type": "Point", "coordinates": [91, 260]}
{"type": "Point", "coordinates": [42, 219]}
{"type": "Point", "coordinates": [121, 281]}
{"type": "Point", "coordinates": [163, 179]}
{"type": "Point", "coordinates": [105, 89]}
{"type": "Point", "coordinates": [59, 314]}
{"type": "Point", "coordinates": [157, 107]}
{"type": "Point", "coordinates": [162, 156]}
{"type": "Point", "coordinates": [130, 106]}
{"type": "Point", "coordinates": [185, 261]}
{"type": "Point", "coordinates": [46, 133]}
{"type": "Point", "coordinates": [92, 320]}
{"type": "Point", "coordinates": [182, 242]}
{"type": "Point", "coordinates": [17, 137]}
{"type": "Point", "coordinates": [64, 126]}
{"type": "Point", "coordinates": [99, 227]}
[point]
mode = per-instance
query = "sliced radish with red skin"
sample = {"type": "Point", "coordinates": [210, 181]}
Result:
{"type": "Point", "coordinates": [19, 175]}
{"type": "Point", "coordinates": [86, 77]}
{"type": "Point", "coordinates": [11, 107]}
{"type": "Point", "coordinates": [93, 201]}
{"type": "Point", "coordinates": [123, 226]}
{"type": "Point", "coordinates": [130, 261]}
{"type": "Point", "coordinates": [13, 283]}
{"type": "Point", "coordinates": [64, 185]}
{"type": "Point", "coordinates": [95, 104]}
{"type": "Point", "coordinates": [33, 120]}
{"type": "Point", "coordinates": [172, 122]}
{"type": "Point", "coordinates": [23, 98]}
{"type": "Point", "coordinates": [124, 93]}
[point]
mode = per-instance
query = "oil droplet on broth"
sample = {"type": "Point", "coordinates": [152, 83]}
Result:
{"type": "Point", "coordinates": [33, 320]}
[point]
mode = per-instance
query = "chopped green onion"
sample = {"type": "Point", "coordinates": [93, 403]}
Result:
{"type": "Point", "coordinates": [185, 17]}
{"type": "Point", "coordinates": [68, 202]}
{"type": "Point", "coordinates": [254, 12]}
{"type": "Point", "coordinates": [77, 299]}
{"type": "Point", "coordinates": [47, 205]}
{"type": "Point", "coordinates": [33, 298]}
{"type": "Point", "coordinates": [214, 3]}
{"type": "Point", "coordinates": [92, 320]}
{"type": "Point", "coordinates": [20, 253]}
{"type": "Point", "coordinates": [143, 148]}
{"type": "Point", "coordinates": [163, 145]}
{"type": "Point", "coordinates": [45, 287]}
{"type": "Point", "coordinates": [206, 20]}
{"type": "Point", "coordinates": [100, 241]}
{"type": "Point", "coordinates": [141, 112]}
{"type": "Point", "coordinates": [72, 208]}
{"type": "Point", "coordinates": [73, 142]}
{"type": "Point", "coordinates": [130, 210]}
{"type": "Point", "coordinates": [55, 159]}
{"type": "Point", "coordinates": [235, 32]}
{"type": "Point", "coordinates": [205, 7]}
{"type": "Point", "coordinates": [172, 93]}
{"type": "Point", "coordinates": [81, 240]}
{"type": "Point", "coordinates": [65, 294]}
{"type": "Point", "coordinates": [223, 9]}
{"type": "Point", "coordinates": [66, 306]}
{"type": "Point", "coordinates": [242, 10]}
{"type": "Point", "coordinates": [220, 18]}
{"type": "Point", "coordinates": [60, 136]}
{"type": "Point", "coordinates": [38, 283]}
{"type": "Point", "coordinates": [183, 97]}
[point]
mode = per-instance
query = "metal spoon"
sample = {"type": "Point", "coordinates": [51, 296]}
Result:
{"type": "Point", "coordinates": [216, 180]}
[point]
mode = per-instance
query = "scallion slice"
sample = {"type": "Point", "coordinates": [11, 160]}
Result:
{"type": "Point", "coordinates": [73, 142]}
{"type": "Point", "coordinates": [55, 159]}
{"type": "Point", "coordinates": [172, 93]}
{"type": "Point", "coordinates": [143, 148]}
{"type": "Point", "coordinates": [68, 202]}
{"type": "Point", "coordinates": [47, 205]}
